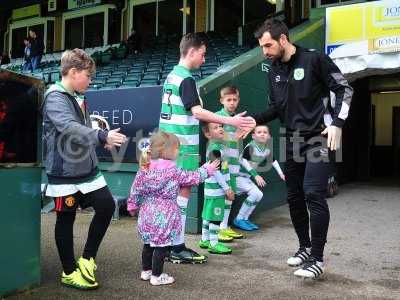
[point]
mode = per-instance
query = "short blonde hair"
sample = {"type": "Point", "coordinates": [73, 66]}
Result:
{"type": "Point", "coordinates": [161, 145]}
{"type": "Point", "coordinates": [229, 90]}
{"type": "Point", "coordinates": [78, 59]}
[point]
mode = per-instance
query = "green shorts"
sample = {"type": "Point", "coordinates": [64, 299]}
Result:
{"type": "Point", "coordinates": [213, 209]}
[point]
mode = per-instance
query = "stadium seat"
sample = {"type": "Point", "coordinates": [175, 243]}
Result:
{"type": "Point", "coordinates": [153, 69]}
{"type": "Point", "coordinates": [133, 77]}
{"type": "Point", "coordinates": [145, 83]}
{"type": "Point", "coordinates": [151, 76]}
{"type": "Point", "coordinates": [54, 76]}
{"type": "Point", "coordinates": [118, 73]}
{"type": "Point", "coordinates": [112, 81]}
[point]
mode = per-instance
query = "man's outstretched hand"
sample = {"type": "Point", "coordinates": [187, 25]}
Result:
{"type": "Point", "coordinates": [242, 132]}
{"type": "Point", "coordinates": [242, 122]}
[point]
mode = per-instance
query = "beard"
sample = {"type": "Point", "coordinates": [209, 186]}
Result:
{"type": "Point", "coordinates": [280, 55]}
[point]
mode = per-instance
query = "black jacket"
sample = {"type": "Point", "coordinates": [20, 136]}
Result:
{"type": "Point", "coordinates": [37, 47]}
{"type": "Point", "coordinates": [299, 93]}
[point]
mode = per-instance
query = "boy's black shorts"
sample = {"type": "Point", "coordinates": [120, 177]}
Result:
{"type": "Point", "coordinates": [70, 203]}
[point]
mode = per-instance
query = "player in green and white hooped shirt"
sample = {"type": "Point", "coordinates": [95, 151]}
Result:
{"type": "Point", "coordinates": [216, 190]}
{"type": "Point", "coordinates": [181, 108]}
{"type": "Point", "coordinates": [229, 98]}
{"type": "Point", "coordinates": [252, 156]}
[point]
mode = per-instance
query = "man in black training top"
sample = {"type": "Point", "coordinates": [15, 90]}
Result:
{"type": "Point", "coordinates": [300, 83]}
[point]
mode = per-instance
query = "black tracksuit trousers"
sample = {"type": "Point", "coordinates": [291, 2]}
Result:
{"type": "Point", "coordinates": [307, 169]}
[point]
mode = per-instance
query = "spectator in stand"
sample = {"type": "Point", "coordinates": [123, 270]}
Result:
{"type": "Point", "coordinates": [37, 49]}
{"type": "Point", "coordinates": [134, 43]}
{"type": "Point", "coordinates": [27, 55]}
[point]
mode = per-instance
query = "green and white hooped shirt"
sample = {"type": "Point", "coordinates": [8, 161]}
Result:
{"type": "Point", "coordinates": [232, 145]}
{"type": "Point", "coordinates": [212, 188]}
{"type": "Point", "coordinates": [255, 155]}
{"type": "Point", "coordinates": [174, 118]}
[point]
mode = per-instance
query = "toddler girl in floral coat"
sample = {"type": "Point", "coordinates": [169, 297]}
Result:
{"type": "Point", "coordinates": [154, 193]}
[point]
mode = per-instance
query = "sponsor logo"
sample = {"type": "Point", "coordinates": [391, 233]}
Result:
{"type": "Point", "coordinates": [388, 42]}
{"type": "Point", "coordinates": [265, 67]}
{"type": "Point", "coordinates": [278, 78]}
{"type": "Point", "coordinates": [391, 12]}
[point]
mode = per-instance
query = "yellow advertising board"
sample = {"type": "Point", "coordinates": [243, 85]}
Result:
{"type": "Point", "coordinates": [376, 22]}
{"type": "Point", "coordinates": [26, 12]}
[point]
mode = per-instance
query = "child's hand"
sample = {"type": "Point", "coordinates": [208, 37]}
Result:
{"type": "Point", "coordinates": [239, 134]}
{"type": "Point", "coordinates": [230, 195]}
{"type": "Point", "coordinates": [260, 181]}
{"type": "Point", "coordinates": [115, 138]}
{"type": "Point", "coordinates": [283, 177]}
{"type": "Point", "coordinates": [108, 147]}
{"type": "Point", "coordinates": [211, 167]}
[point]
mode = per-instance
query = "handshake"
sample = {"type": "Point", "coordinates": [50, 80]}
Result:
{"type": "Point", "coordinates": [243, 124]}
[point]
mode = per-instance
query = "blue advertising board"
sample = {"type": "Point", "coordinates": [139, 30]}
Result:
{"type": "Point", "coordinates": [135, 110]}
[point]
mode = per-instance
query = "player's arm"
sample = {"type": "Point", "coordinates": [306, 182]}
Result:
{"type": "Point", "coordinates": [191, 101]}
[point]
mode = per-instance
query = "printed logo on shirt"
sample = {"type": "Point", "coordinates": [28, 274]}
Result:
{"type": "Point", "coordinates": [69, 201]}
{"type": "Point", "coordinates": [299, 74]}
{"type": "Point", "coordinates": [277, 78]}
{"type": "Point", "coordinates": [217, 211]}
{"type": "Point", "coordinates": [324, 152]}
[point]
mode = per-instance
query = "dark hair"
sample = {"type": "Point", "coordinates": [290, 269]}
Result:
{"type": "Point", "coordinates": [205, 128]}
{"type": "Point", "coordinates": [191, 40]}
{"type": "Point", "coordinates": [275, 28]}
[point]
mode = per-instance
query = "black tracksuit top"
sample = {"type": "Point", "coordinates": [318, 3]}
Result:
{"type": "Point", "coordinates": [300, 93]}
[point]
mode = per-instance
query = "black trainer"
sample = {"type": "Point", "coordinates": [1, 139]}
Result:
{"type": "Point", "coordinates": [187, 256]}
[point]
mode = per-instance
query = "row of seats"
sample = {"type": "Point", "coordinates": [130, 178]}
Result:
{"type": "Point", "coordinates": [116, 68]}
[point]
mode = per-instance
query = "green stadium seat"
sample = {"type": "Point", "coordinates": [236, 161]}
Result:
{"type": "Point", "coordinates": [153, 69]}
{"type": "Point", "coordinates": [151, 76]}
{"type": "Point", "coordinates": [133, 77]}
{"type": "Point", "coordinates": [118, 73]}
{"type": "Point", "coordinates": [145, 83]}
{"type": "Point", "coordinates": [131, 82]}
{"type": "Point", "coordinates": [54, 76]}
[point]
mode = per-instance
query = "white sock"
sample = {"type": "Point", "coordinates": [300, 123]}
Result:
{"type": "Point", "coordinates": [246, 206]}
{"type": "Point", "coordinates": [205, 233]}
{"type": "Point", "coordinates": [253, 198]}
{"type": "Point", "coordinates": [227, 211]}
{"type": "Point", "coordinates": [214, 229]}
{"type": "Point", "coordinates": [250, 210]}
{"type": "Point", "coordinates": [182, 202]}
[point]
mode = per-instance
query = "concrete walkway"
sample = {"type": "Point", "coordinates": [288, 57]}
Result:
{"type": "Point", "coordinates": [363, 257]}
